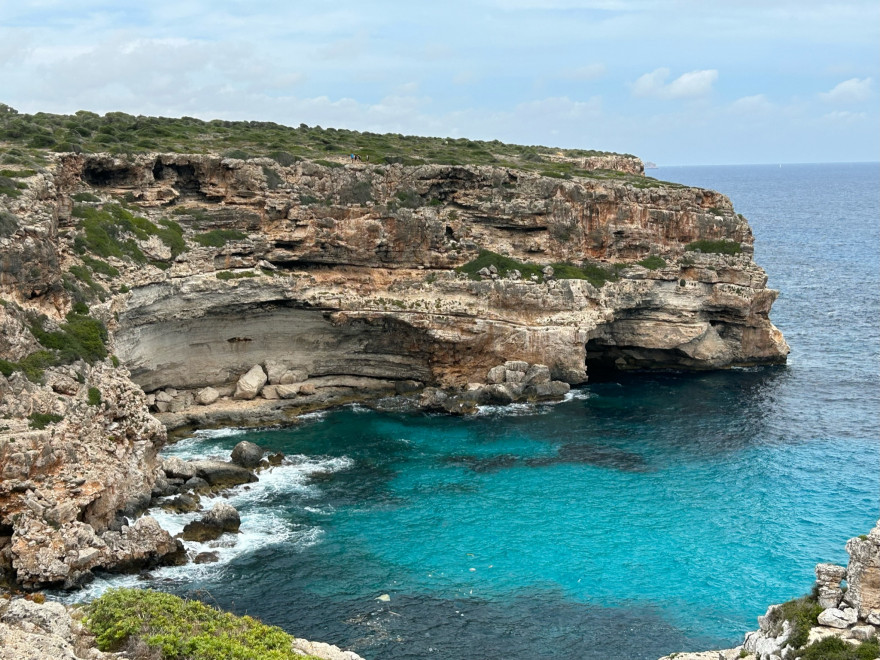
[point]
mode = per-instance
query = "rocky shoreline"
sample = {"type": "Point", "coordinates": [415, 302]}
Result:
{"type": "Point", "coordinates": [826, 623]}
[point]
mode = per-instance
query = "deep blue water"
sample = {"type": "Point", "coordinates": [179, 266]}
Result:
{"type": "Point", "coordinates": [653, 514]}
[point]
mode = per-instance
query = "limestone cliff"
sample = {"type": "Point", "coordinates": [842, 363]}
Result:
{"type": "Point", "coordinates": [332, 281]}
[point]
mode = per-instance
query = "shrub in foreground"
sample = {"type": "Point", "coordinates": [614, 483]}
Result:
{"type": "Point", "coordinates": [177, 628]}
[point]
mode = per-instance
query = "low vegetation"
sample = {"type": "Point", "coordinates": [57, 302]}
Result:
{"type": "Point", "coordinates": [721, 246]}
{"type": "Point", "coordinates": [834, 648]}
{"type": "Point", "coordinates": [229, 275]}
{"type": "Point", "coordinates": [94, 396]}
{"type": "Point", "coordinates": [595, 274]}
{"type": "Point", "coordinates": [39, 421]}
{"type": "Point", "coordinates": [801, 614]}
{"type": "Point", "coordinates": [653, 262]}
{"type": "Point", "coordinates": [160, 625]}
{"type": "Point", "coordinates": [80, 337]}
{"type": "Point", "coordinates": [218, 237]}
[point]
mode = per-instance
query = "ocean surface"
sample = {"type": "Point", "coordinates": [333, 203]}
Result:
{"type": "Point", "coordinates": [649, 514]}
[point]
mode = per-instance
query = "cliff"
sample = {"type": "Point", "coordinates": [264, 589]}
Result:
{"type": "Point", "coordinates": [214, 290]}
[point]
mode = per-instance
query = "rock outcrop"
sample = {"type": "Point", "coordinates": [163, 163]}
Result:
{"type": "Point", "coordinates": [219, 290]}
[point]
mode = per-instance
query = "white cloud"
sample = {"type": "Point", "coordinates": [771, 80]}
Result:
{"type": "Point", "coordinates": [755, 104]}
{"type": "Point", "coordinates": [849, 91]}
{"type": "Point", "coordinates": [688, 85]}
{"type": "Point", "coordinates": [844, 116]}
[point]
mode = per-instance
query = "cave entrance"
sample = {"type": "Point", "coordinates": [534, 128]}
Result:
{"type": "Point", "coordinates": [101, 176]}
{"type": "Point", "coordinates": [602, 362]}
{"type": "Point", "coordinates": [182, 177]}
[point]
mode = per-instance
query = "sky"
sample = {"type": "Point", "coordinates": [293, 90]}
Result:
{"type": "Point", "coordinates": [677, 82]}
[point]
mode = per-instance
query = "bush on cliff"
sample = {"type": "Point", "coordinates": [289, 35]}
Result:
{"type": "Point", "coordinates": [594, 274]}
{"type": "Point", "coordinates": [834, 648]}
{"type": "Point", "coordinates": [80, 337]}
{"type": "Point", "coordinates": [218, 237]}
{"type": "Point", "coordinates": [177, 628]}
{"type": "Point", "coordinates": [802, 614]}
{"type": "Point", "coordinates": [721, 246]}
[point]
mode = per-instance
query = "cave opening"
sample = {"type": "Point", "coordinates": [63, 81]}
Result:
{"type": "Point", "coordinates": [99, 176]}
{"type": "Point", "coordinates": [182, 177]}
{"type": "Point", "coordinates": [601, 362]}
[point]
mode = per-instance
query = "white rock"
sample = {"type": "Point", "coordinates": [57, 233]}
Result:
{"type": "Point", "coordinates": [863, 633]}
{"type": "Point", "coordinates": [207, 396]}
{"type": "Point", "coordinates": [835, 618]}
{"type": "Point", "coordinates": [270, 392]}
{"type": "Point", "coordinates": [287, 391]}
{"type": "Point", "coordinates": [249, 385]}
{"type": "Point", "coordinates": [496, 375]}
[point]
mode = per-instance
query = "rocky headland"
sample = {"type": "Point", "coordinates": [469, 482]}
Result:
{"type": "Point", "coordinates": [835, 622]}
{"type": "Point", "coordinates": [159, 292]}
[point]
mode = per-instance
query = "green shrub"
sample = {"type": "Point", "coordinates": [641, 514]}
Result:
{"type": "Point", "coordinates": [39, 421]}
{"type": "Point", "coordinates": [408, 199]}
{"type": "Point", "coordinates": [85, 197]}
{"type": "Point", "coordinates": [100, 266]}
{"type": "Point", "coordinates": [181, 629]}
{"type": "Point", "coordinates": [218, 237]}
{"type": "Point", "coordinates": [834, 648]}
{"type": "Point", "coordinates": [595, 274]}
{"type": "Point", "coordinates": [284, 159]}
{"type": "Point", "coordinates": [229, 275]}
{"type": "Point", "coordinates": [124, 289]}
{"type": "Point", "coordinates": [801, 613]}
{"type": "Point", "coordinates": [8, 224]}
{"type": "Point", "coordinates": [94, 398]}
{"type": "Point", "coordinates": [114, 360]}
{"type": "Point", "coordinates": [721, 246]}
{"type": "Point", "coordinates": [81, 308]}
{"type": "Point", "coordinates": [328, 163]}
{"type": "Point", "coordinates": [653, 262]}
{"type": "Point", "coordinates": [236, 153]}
{"type": "Point", "coordinates": [8, 187]}
{"type": "Point", "coordinates": [79, 338]}
{"type": "Point", "coordinates": [17, 174]}
{"type": "Point", "coordinates": [356, 192]}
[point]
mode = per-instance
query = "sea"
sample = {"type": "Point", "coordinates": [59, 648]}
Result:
{"type": "Point", "coordinates": [646, 514]}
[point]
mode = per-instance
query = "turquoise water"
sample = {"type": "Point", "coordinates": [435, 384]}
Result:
{"type": "Point", "coordinates": [650, 514]}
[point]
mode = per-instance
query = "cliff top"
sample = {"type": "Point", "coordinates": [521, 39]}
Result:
{"type": "Point", "coordinates": [25, 138]}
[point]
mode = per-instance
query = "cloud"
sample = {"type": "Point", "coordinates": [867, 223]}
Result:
{"type": "Point", "coordinates": [849, 91]}
{"type": "Point", "coordinates": [844, 116]}
{"type": "Point", "coordinates": [755, 104]}
{"type": "Point", "coordinates": [688, 85]}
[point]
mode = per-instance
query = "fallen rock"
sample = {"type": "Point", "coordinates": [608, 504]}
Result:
{"type": "Point", "coordinates": [287, 391]}
{"type": "Point", "coordinates": [863, 633]}
{"type": "Point", "coordinates": [206, 396]}
{"type": "Point", "coordinates": [496, 375]}
{"type": "Point", "coordinates": [176, 468]}
{"type": "Point", "coordinates": [836, 618]}
{"type": "Point", "coordinates": [221, 473]}
{"type": "Point", "coordinates": [249, 385]}
{"type": "Point", "coordinates": [270, 392]}
{"type": "Point", "coordinates": [182, 504]}
{"type": "Point", "coordinates": [322, 651]}
{"type": "Point", "coordinates": [221, 518]}
{"type": "Point", "coordinates": [247, 454]}
{"type": "Point", "coordinates": [206, 558]}
{"type": "Point", "coordinates": [537, 374]}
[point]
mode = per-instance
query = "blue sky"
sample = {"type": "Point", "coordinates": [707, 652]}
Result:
{"type": "Point", "coordinates": [676, 81]}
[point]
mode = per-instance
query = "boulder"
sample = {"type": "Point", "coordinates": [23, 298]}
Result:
{"type": "Point", "coordinates": [281, 374]}
{"type": "Point", "coordinates": [407, 386]}
{"type": "Point", "coordinates": [247, 454]}
{"type": "Point", "coordinates": [537, 374]}
{"type": "Point", "coordinates": [307, 389]}
{"type": "Point", "coordinates": [221, 473]}
{"type": "Point", "coordinates": [836, 618]}
{"type": "Point", "coordinates": [176, 468]}
{"type": "Point", "coordinates": [516, 365]}
{"type": "Point", "coordinates": [221, 518]}
{"type": "Point", "coordinates": [206, 396]}
{"type": "Point", "coordinates": [270, 392]}
{"type": "Point", "coordinates": [863, 633]}
{"type": "Point", "coordinates": [182, 504]}
{"type": "Point", "coordinates": [511, 376]}
{"type": "Point", "coordinates": [287, 391]}
{"type": "Point", "coordinates": [500, 394]}
{"type": "Point", "coordinates": [206, 558]}
{"type": "Point", "coordinates": [496, 375]}
{"type": "Point", "coordinates": [249, 385]}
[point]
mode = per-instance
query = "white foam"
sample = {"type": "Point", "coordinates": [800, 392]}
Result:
{"type": "Point", "coordinates": [578, 395]}
{"type": "Point", "coordinates": [261, 526]}
{"type": "Point", "coordinates": [512, 410]}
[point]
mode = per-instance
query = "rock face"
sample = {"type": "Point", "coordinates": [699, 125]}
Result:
{"type": "Point", "coordinates": [863, 574]}
{"type": "Point", "coordinates": [316, 285]}
{"type": "Point", "coordinates": [33, 630]}
{"type": "Point", "coordinates": [363, 285]}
